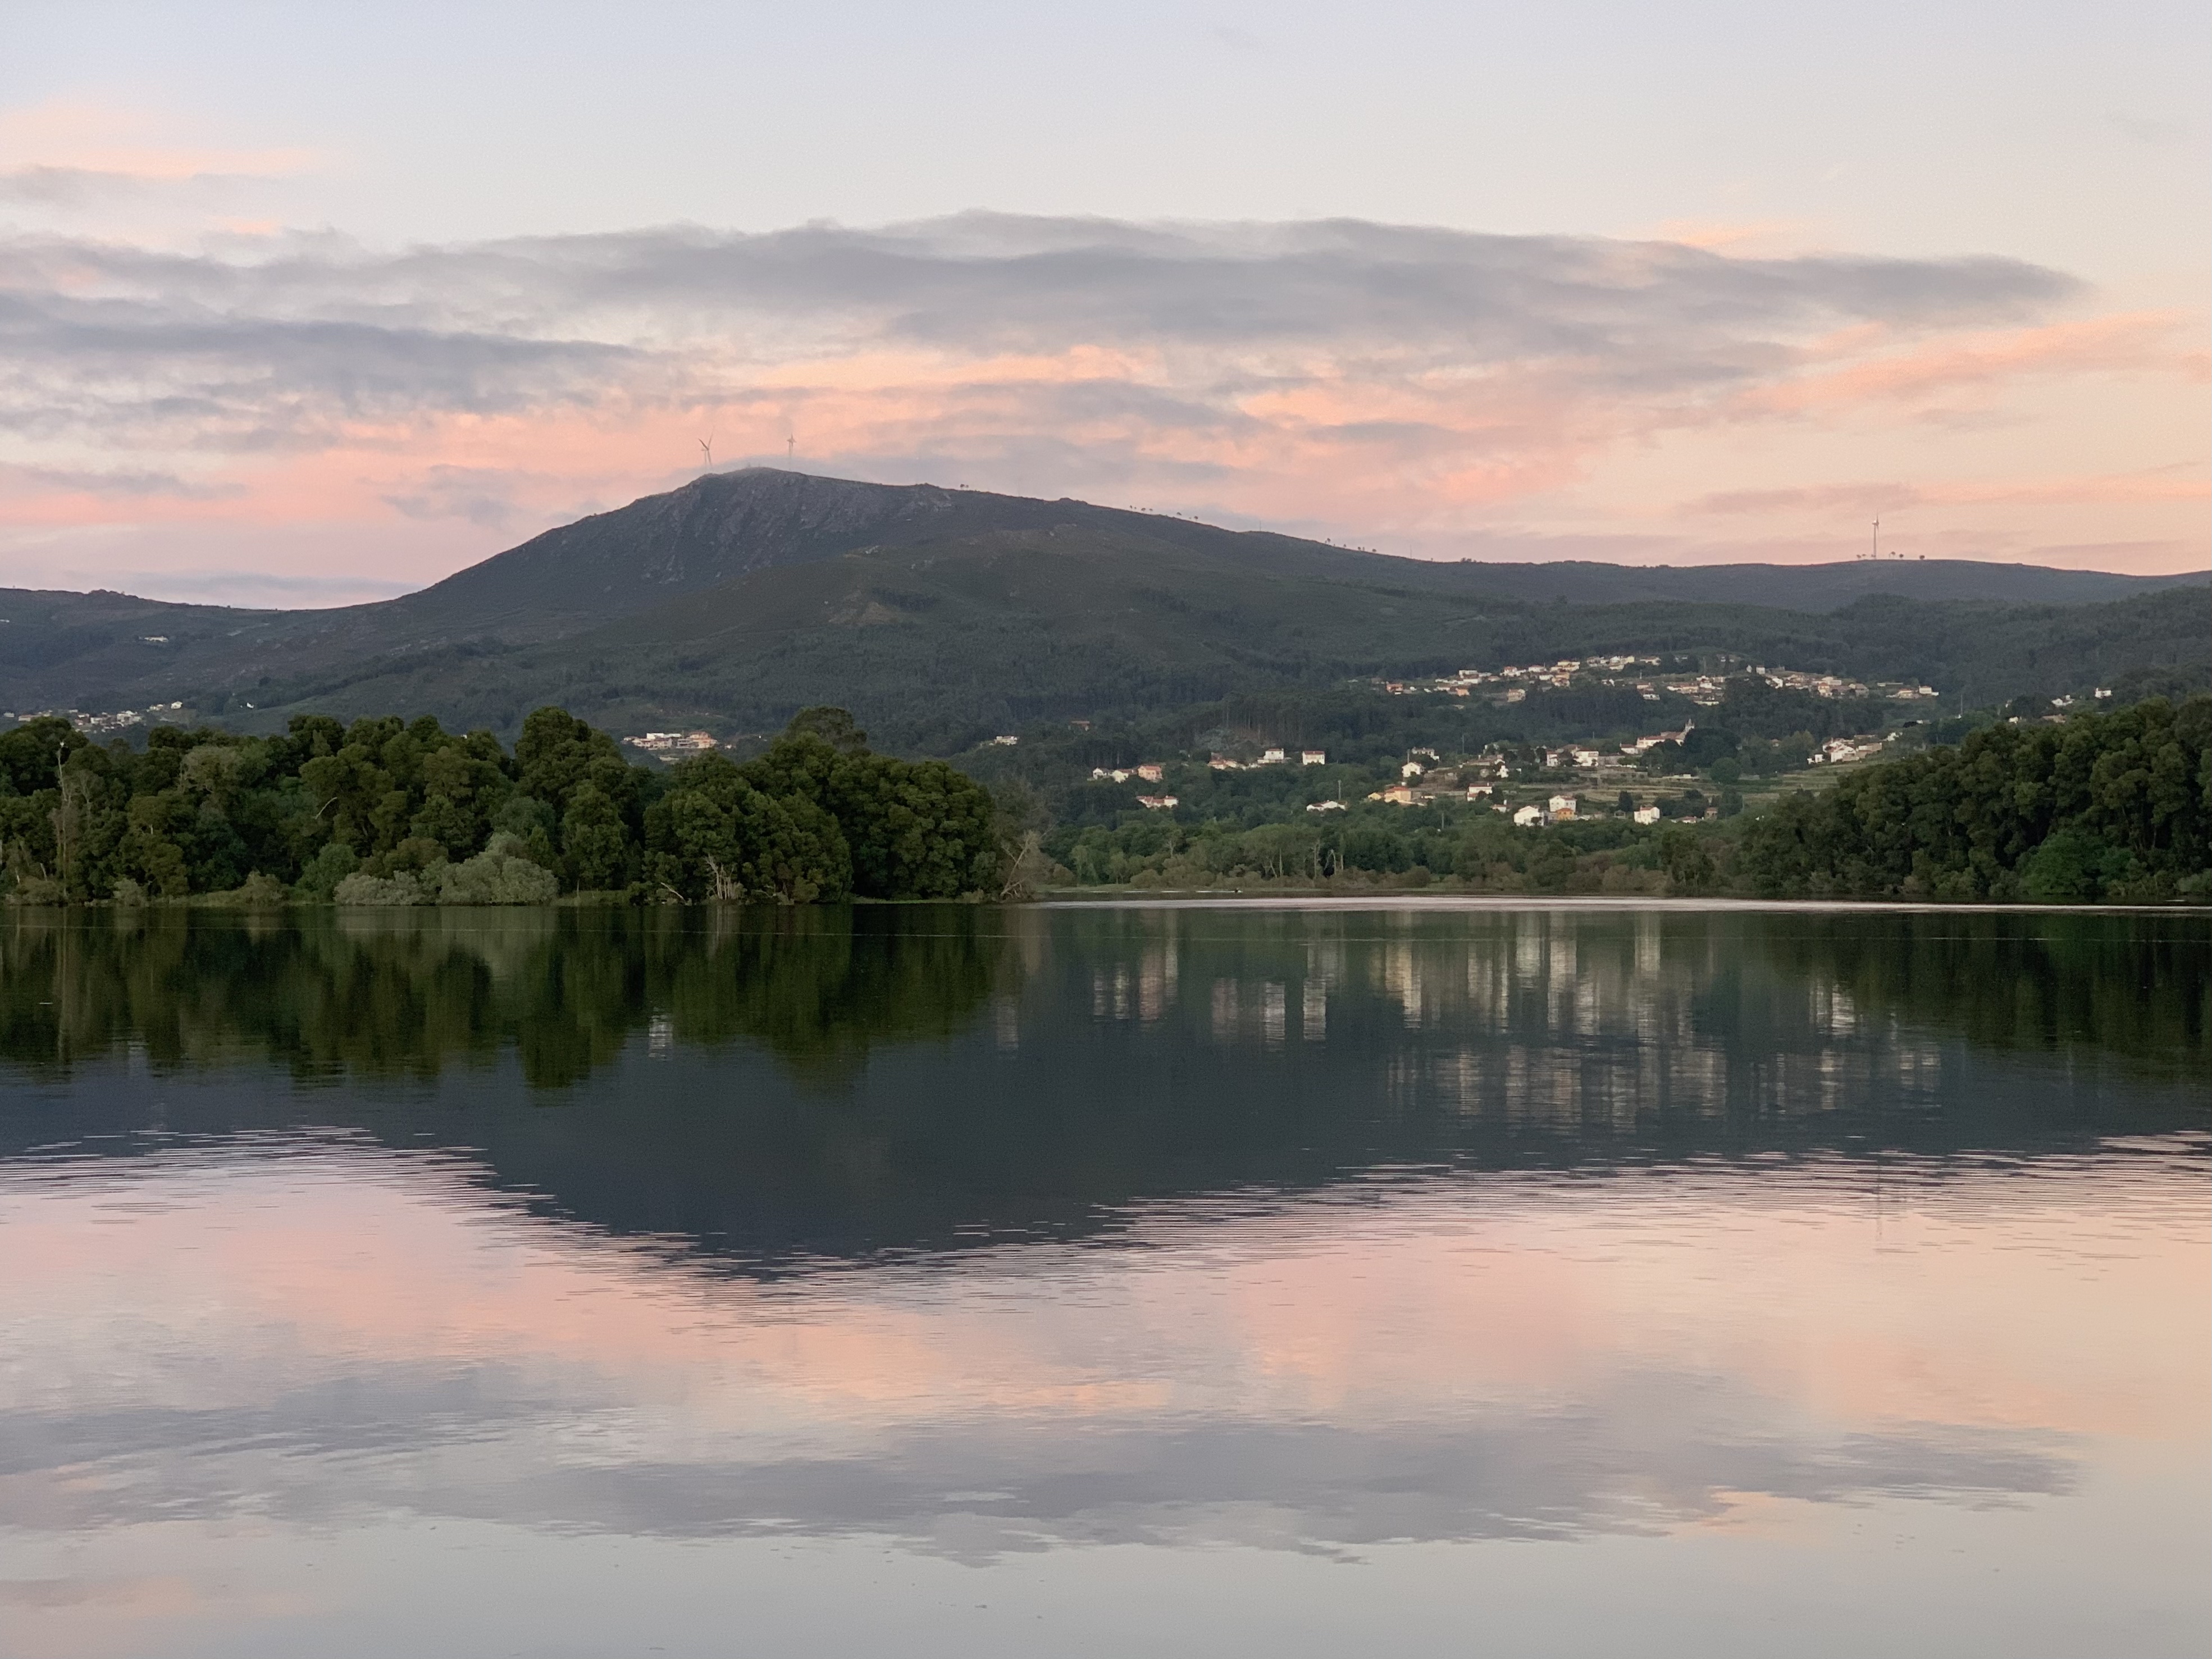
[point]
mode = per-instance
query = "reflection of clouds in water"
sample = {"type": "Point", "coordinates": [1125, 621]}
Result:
{"type": "Point", "coordinates": [1647, 1452]}
{"type": "Point", "coordinates": [1413, 1358]}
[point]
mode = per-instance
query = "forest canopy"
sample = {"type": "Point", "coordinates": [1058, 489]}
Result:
{"type": "Point", "coordinates": [2113, 807]}
{"type": "Point", "coordinates": [385, 812]}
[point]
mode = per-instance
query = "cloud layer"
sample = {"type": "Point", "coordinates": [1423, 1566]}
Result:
{"type": "Point", "coordinates": [1417, 385]}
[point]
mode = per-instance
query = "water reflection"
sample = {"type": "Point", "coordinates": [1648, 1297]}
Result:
{"type": "Point", "coordinates": [1397, 1238]}
{"type": "Point", "coordinates": [774, 1088]}
{"type": "Point", "coordinates": [402, 993]}
{"type": "Point", "coordinates": [1432, 1357]}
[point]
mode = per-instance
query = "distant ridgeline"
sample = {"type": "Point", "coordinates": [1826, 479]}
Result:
{"type": "Point", "coordinates": [943, 617]}
{"type": "Point", "coordinates": [2114, 807]}
{"type": "Point", "coordinates": [383, 812]}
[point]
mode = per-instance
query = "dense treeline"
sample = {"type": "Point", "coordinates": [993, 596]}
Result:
{"type": "Point", "coordinates": [2114, 806]}
{"type": "Point", "coordinates": [387, 812]}
{"type": "Point", "coordinates": [1467, 848]}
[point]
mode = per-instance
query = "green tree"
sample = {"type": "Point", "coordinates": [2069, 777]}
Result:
{"type": "Point", "coordinates": [715, 836]}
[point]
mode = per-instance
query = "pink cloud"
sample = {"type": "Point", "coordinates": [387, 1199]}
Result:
{"type": "Point", "coordinates": [119, 142]}
{"type": "Point", "coordinates": [463, 398]}
{"type": "Point", "coordinates": [2124, 344]}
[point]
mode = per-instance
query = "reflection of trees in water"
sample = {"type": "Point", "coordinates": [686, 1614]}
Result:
{"type": "Point", "coordinates": [819, 987]}
{"type": "Point", "coordinates": [1111, 1057]}
{"type": "Point", "coordinates": [2134, 988]}
{"type": "Point", "coordinates": [409, 995]}
{"type": "Point", "coordinates": [1674, 1006]}
{"type": "Point", "coordinates": [1611, 1016]}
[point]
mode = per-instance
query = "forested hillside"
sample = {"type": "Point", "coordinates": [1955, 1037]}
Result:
{"type": "Point", "coordinates": [2111, 808]}
{"type": "Point", "coordinates": [2114, 807]}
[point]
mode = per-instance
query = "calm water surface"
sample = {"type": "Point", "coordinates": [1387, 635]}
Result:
{"type": "Point", "coordinates": [1097, 1280]}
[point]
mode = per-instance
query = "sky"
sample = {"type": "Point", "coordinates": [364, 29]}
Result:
{"type": "Point", "coordinates": [308, 305]}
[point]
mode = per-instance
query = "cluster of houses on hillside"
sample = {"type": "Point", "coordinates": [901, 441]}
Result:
{"type": "Point", "coordinates": [121, 720]}
{"type": "Point", "coordinates": [1270, 757]}
{"type": "Point", "coordinates": [666, 743]}
{"type": "Point", "coordinates": [1834, 685]}
{"type": "Point", "coordinates": [1425, 780]}
{"type": "Point", "coordinates": [1512, 684]}
{"type": "Point", "coordinates": [1155, 771]}
{"type": "Point", "coordinates": [1837, 750]}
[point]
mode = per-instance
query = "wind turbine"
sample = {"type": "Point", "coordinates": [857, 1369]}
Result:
{"type": "Point", "coordinates": [706, 453]}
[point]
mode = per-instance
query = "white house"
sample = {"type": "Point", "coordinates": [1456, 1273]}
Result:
{"type": "Point", "coordinates": [1411, 769]}
{"type": "Point", "coordinates": [1151, 771]}
{"type": "Point", "coordinates": [1312, 756]}
{"type": "Point", "coordinates": [1158, 803]}
{"type": "Point", "coordinates": [1563, 807]}
{"type": "Point", "coordinates": [1479, 791]}
{"type": "Point", "coordinates": [1528, 815]}
{"type": "Point", "coordinates": [675, 742]}
{"type": "Point", "coordinates": [1272, 757]}
{"type": "Point", "coordinates": [1328, 806]}
{"type": "Point", "coordinates": [1006, 742]}
{"type": "Point", "coordinates": [1647, 815]}
{"type": "Point", "coordinates": [1839, 749]}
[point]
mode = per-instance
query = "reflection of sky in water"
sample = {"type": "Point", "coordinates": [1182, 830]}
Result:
{"type": "Point", "coordinates": [340, 1337]}
{"type": "Point", "coordinates": [1532, 1283]}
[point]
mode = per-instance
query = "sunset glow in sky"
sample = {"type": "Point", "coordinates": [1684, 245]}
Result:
{"type": "Point", "coordinates": [308, 305]}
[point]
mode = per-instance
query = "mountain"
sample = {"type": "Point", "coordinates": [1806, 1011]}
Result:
{"type": "Point", "coordinates": [937, 613]}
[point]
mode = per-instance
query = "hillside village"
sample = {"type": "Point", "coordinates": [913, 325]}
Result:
{"type": "Point", "coordinates": [1702, 682]}
{"type": "Point", "coordinates": [1651, 676]}
{"type": "Point", "coordinates": [1643, 780]}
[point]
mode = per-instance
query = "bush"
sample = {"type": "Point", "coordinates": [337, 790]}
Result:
{"type": "Point", "coordinates": [319, 881]}
{"type": "Point", "coordinates": [501, 874]}
{"type": "Point", "coordinates": [2072, 868]}
{"type": "Point", "coordinates": [364, 890]}
{"type": "Point", "coordinates": [37, 889]}
{"type": "Point", "coordinates": [260, 891]}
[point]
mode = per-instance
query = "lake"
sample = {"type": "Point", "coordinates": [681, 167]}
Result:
{"type": "Point", "coordinates": [1399, 1278]}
